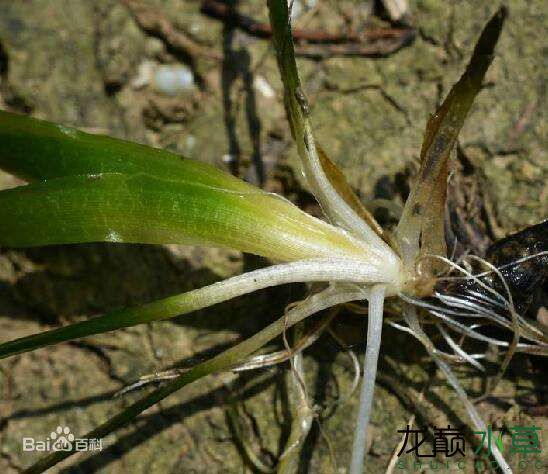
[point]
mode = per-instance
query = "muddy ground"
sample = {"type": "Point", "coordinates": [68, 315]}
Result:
{"type": "Point", "coordinates": [102, 66]}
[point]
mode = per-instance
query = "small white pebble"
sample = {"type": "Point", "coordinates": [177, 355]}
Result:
{"type": "Point", "coordinates": [302, 6]}
{"type": "Point", "coordinates": [159, 352]}
{"type": "Point", "coordinates": [173, 79]}
{"type": "Point", "coordinates": [196, 28]}
{"type": "Point", "coordinates": [297, 9]}
{"type": "Point", "coordinates": [262, 86]}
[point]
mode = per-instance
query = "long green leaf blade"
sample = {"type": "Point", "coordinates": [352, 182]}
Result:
{"type": "Point", "coordinates": [218, 363]}
{"type": "Point", "coordinates": [336, 198]}
{"type": "Point", "coordinates": [155, 311]}
{"type": "Point", "coordinates": [146, 209]}
{"type": "Point", "coordinates": [38, 150]}
{"type": "Point", "coordinates": [318, 270]}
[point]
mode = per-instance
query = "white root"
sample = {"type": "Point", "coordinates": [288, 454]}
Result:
{"type": "Point", "coordinates": [303, 416]}
{"type": "Point", "coordinates": [262, 361]}
{"type": "Point", "coordinates": [471, 359]}
{"type": "Point", "coordinates": [355, 367]}
{"type": "Point", "coordinates": [374, 332]}
{"type": "Point", "coordinates": [410, 315]}
{"type": "Point", "coordinates": [469, 275]}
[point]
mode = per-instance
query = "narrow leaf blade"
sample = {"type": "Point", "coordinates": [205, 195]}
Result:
{"type": "Point", "coordinates": [37, 150]}
{"type": "Point", "coordinates": [147, 209]}
{"type": "Point", "coordinates": [220, 362]}
{"type": "Point", "coordinates": [334, 205]}
{"type": "Point", "coordinates": [155, 311]}
{"type": "Point", "coordinates": [420, 230]}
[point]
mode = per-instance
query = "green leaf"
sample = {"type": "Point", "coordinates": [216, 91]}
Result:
{"type": "Point", "coordinates": [220, 362]}
{"type": "Point", "coordinates": [423, 216]}
{"type": "Point", "coordinates": [155, 311]}
{"type": "Point", "coordinates": [338, 201]}
{"type": "Point", "coordinates": [184, 303]}
{"type": "Point", "coordinates": [146, 209]}
{"type": "Point", "coordinates": [216, 364]}
{"type": "Point", "coordinates": [38, 150]}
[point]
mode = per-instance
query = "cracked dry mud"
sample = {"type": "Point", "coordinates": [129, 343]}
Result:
{"type": "Point", "coordinates": [81, 63]}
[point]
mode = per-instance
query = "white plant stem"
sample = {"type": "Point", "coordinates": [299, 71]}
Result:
{"type": "Point", "coordinates": [374, 331]}
{"type": "Point", "coordinates": [313, 270]}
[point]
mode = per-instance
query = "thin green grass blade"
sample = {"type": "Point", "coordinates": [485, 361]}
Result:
{"type": "Point", "coordinates": [146, 209]}
{"type": "Point", "coordinates": [184, 303]}
{"type": "Point", "coordinates": [423, 216]}
{"type": "Point", "coordinates": [221, 362]}
{"type": "Point", "coordinates": [336, 198]}
{"type": "Point", "coordinates": [155, 311]}
{"type": "Point", "coordinates": [36, 150]}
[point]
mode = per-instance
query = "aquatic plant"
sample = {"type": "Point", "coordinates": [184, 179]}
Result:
{"type": "Point", "coordinates": [88, 188]}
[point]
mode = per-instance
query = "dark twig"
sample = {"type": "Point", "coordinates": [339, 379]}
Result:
{"type": "Point", "coordinates": [376, 49]}
{"type": "Point", "coordinates": [376, 42]}
{"type": "Point", "coordinates": [156, 24]}
{"type": "Point", "coordinates": [222, 11]}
